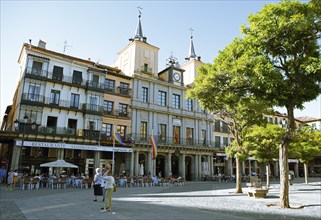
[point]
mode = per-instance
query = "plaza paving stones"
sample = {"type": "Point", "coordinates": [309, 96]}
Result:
{"type": "Point", "coordinates": [195, 200]}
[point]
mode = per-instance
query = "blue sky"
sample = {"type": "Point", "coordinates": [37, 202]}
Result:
{"type": "Point", "coordinates": [100, 29]}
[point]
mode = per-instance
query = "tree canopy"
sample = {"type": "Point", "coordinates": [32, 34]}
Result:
{"type": "Point", "coordinates": [275, 62]}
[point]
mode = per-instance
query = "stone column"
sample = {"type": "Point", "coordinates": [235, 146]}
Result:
{"type": "Point", "coordinates": [96, 160]}
{"type": "Point", "coordinates": [211, 165]}
{"type": "Point", "coordinates": [255, 166]}
{"type": "Point", "coordinates": [296, 169]}
{"type": "Point", "coordinates": [17, 150]}
{"type": "Point", "coordinates": [182, 166]}
{"type": "Point", "coordinates": [149, 163]}
{"type": "Point", "coordinates": [137, 163]}
{"type": "Point", "coordinates": [199, 162]}
{"type": "Point", "coordinates": [196, 167]}
{"type": "Point", "coordinates": [168, 164]}
{"type": "Point", "coordinates": [250, 168]}
{"type": "Point", "coordinates": [132, 163]}
{"type": "Point", "coordinates": [60, 153]}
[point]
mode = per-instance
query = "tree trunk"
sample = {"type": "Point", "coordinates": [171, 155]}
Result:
{"type": "Point", "coordinates": [238, 176]}
{"type": "Point", "coordinates": [284, 177]}
{"type": "Point", "coordinates": [306, 173]}
{"type": "Point", "coordinates": [283, 158]}
{"type": "Point", "coordinates": [268, 175]}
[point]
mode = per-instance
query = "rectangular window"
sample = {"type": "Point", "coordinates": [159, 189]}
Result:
{"type": "Point", "coordinates": [161, 98]}
{"type": "Point", "coordinates": [54, 97]}
{"type": "Point", "coordinates": [74, 100]}
{"type": "Point", "coordinates": [123, 88]}
{"type": "Point", "coordinates": [225, 128]}
{"type": "Point", "coordinates": [108, 107]}
{"type": "Point", "coordinates": [162, 133]}
{"type": "Point", "coordinates": [95, 81]}
{"type": "Point", "coordinates": [176, 134]}
{"type": "Point", "coordinates": [143, 131]}
{"type": "Point", "coordinates": [217, 141]}
{"type": "Point", "coordinates": [93, 103]}
{"type": "Point", "coordinates": [121, 129]}
{"type": "Point", "coordinates": [225, 141]}
{"type": "Point", "coordinates": [57, 73]}
{"type": "Point", "coordinates": [34, 92]}
{"type": "Point", "coordinates": [36, 68]}
{"type": "Point", "coordinates": [106, 130]}
{"type": "Point", "coordinates": [77, 77]}
{"type": "Point", "coordinates": [145, 94]}
{"type": "Point", "coordinates": [145, 67]}
{"type": "Point", "coordinates": [110, 85]}
{"type": "Point", "coordinates": [203, 137]}
{"type": "Point", "coordinates": [122, 109]}
{"type": "Point", "coordinates": [217, 126]}
{"type": "Point", "coordinates": [176, 101]}
{"type": "Point", "coordinates": [92, 125]}
{"type": "Point", "coordinates": [189, 135]}
{"type": "Point", "coordinates": [189, 104]}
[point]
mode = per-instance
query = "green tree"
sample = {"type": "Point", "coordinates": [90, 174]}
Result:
{"type": "Point", "coordinates": [306, 145]}
{"type": "Point", "coordinates": [221, 89]}
{"type": "Point", "coordinates": [263, 144]}
{"type": "Point", "coordinates": [282, 43]}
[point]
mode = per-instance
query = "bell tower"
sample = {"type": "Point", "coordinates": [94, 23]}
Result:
{"type": "Point", "coordinates": [138, 57]}
{"type": "Point", "coordinates": [192, 63]}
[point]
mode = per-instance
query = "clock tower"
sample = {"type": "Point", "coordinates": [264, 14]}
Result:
{"type": "Point", "coordinates": [172, 74]}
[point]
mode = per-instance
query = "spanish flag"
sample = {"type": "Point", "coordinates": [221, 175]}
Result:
{"type": "Point", "coordinates": [154, 142]}
{"type": "Point", "coordinates": [117, 137]}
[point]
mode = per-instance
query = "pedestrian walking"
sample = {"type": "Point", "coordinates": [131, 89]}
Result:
{"type": "Point", "coordinates": [110, 184]}
{"type": "Point", "coordinates": [3, 175]}
{"type": "Point", "coordinates": [10, 180]}
{"type": "Point", "coordinates": [97, 184]}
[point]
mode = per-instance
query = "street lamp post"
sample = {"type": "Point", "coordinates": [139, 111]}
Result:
{"type": "Point", "coordinates": [17, 124]}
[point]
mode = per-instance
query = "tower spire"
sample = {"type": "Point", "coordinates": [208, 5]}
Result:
{"type": "Point", "coordinates": [139, 30]}
{"type": "Point", "coordinates": [191, 54]}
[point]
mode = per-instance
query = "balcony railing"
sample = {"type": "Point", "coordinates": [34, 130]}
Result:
{"type": "Point", "coordinates": [93, 109]}
{"type": "Point", "coordinates": [124, 91]}
{"type": "Point", "coordinates": [32, 128]}
{"type": "Point", "coordinates": [34, 98]}
{"type": "Point", "coordinates": [96, 86]}
{"type": "Point", "coordinates": [35, 73]}
{"type": "Point", "coordinates": [165, 140]}
{"type": "Point", "coordinates": [62, 103]}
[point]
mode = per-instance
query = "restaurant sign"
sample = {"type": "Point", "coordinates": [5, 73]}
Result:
{"type": "Point", "coordinates": [73, 146]}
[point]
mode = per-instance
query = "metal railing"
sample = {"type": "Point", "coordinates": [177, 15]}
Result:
{"type": "Point", "coordinates": [170, 140]}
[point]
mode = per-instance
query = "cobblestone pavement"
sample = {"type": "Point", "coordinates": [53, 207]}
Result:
{"type": "Point", "coordinates": [194, 200]}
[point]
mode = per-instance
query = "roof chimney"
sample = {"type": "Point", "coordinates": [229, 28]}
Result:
{"type": "Point", "coordinates": [42, 44]}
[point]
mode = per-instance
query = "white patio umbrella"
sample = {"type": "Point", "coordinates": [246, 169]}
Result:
{"type": "Point", "coordinates": [59, 164]}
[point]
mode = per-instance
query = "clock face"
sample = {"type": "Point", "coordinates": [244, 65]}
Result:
{"type": "Point", "coordinates": [177, 76]}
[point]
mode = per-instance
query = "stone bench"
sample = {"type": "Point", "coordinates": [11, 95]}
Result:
{"type": "Point", "coordinates": [257, 193]}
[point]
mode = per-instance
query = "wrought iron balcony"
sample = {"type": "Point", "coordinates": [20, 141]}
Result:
{"type": "Point", "coordinates": [35, 73]}
{"type": "Point", "coordinates": [93, 109]}
{"type": "Point", "coordinates": [165, 140]}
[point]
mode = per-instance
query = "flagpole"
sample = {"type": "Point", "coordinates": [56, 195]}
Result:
{"type": "Point", "coordinates": [113, 168]}
{"type": "Point", "coordinates": [151, 152]}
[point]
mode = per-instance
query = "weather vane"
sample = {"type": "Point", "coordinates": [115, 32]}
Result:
{"type": "Point", "coordinates": [191, 29]}
{"type": "Point", "coordinates": [139, 10]}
